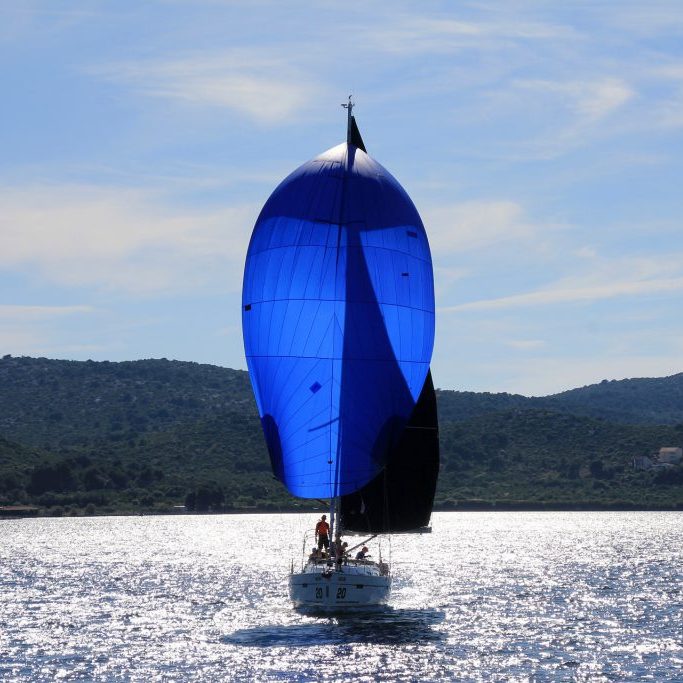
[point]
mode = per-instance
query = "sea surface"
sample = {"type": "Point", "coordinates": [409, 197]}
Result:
{"type": "Point", "coordinates": [488, 596]}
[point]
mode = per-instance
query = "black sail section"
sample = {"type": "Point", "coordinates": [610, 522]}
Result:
{"type": "Point", "coordinates": [370, 362]}
{"type": "Point", "coordinates": [400, 498]}
{"type": "Point", "coordinates": [356, 138]}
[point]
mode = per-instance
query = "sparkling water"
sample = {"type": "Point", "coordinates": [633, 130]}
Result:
{"type": "Point", "coordinates": [497, 596]}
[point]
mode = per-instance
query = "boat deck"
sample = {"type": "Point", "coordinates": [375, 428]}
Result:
{"type": "Point", "coordinates": [347, 566]}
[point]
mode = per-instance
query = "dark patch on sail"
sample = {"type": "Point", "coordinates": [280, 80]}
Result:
{"type": "Point", "coordinates": [400, 498]}
{"type": "Point", "coordinates": [272, 434]}
{"type": "Point", "coordinates": [356, 138]}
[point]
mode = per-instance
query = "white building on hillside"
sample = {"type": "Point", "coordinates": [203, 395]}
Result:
{"type": "Point", "coordinates": [670, 454]}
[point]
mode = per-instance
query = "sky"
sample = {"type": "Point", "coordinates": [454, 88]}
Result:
{"type": "Point", "coordinates": [540, 141]}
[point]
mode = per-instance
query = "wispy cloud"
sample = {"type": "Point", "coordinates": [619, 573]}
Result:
{"type": "Point", "coordinates": [445, 277]}
{"type": "Point", "coordinates": [662, 18]}
{"type": "Point", "coordinates": [558, 295]}
{"type": "Point", "coordinates": [266, 88]}
{"type": "Point", "coordinates": [568, 113]}
{"type": "Point", "coordinates": [591, 99]}
{"type": "Point", "coordinates": [525, 344]}
{"type": "Point", "coordinates": [10, 312]}
{"type": "Point", "coordinates": [667, 111]}
{"type": "Point", "coordinates": [419, 34]}
{"type": "Point", "coordinates": [475, 224]}
{"type": "Point", "coordinates": [121, 239]}
{"type": "Point", "coordinates": [22, 21]}
{"type": "Point", "coordinates": [31, 329]}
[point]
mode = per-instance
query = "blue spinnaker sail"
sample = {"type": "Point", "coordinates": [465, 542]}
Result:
{"type": "Point", "coordinates": [338, 320]}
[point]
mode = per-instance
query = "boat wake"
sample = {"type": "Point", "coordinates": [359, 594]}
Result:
{"type": "Point", "coordinates": [380, 625]}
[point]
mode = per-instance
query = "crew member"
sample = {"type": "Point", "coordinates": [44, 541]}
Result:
{"type": "Point", "coordinates": [360, 555]}
{"type": "Point", "coordinates": [322, 533]}
{"type": "Point", "coordinates": [340, 549]}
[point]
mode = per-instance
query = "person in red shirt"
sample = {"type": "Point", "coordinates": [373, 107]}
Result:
{"type": "Point", "coordinates": [322, 533]}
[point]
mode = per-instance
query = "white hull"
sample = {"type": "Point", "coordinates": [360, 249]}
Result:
{"type": "Point", "coordinates": [353, 585]}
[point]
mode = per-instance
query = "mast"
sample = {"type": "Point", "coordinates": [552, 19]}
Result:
{"type": "Point", "coordinates": [349, 119]}
{"type": "Point", "coordinates": [335, 501]}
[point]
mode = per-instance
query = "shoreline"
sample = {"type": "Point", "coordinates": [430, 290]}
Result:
{"type": "Point", "coordinates": [463, 506]}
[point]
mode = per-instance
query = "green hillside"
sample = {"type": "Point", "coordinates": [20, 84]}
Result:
{"type": "Point", "coordinates": [542, 457]}
{"type": "Point", "coordinates": [56, 403]}
{"type": "Point", "coordinates": [153, 434]}
{"type": "Point", "coordinates": [656, 400]}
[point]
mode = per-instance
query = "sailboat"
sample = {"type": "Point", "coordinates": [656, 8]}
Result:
{"type": "Point", "coordinates": [338, 325]}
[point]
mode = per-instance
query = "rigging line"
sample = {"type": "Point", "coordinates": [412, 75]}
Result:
{"type": "Point", "coordinates": [357, 478]}
{"type": "Point", "coordinates": [381, 303]}
{"type": "Point", "coordinates": [283, 382]}
{"type": "Point", "coordinates": [393, 359]}
{"type": "Point", "coordinates": [329, 330]}
{"type": "Point", "coordinates": [312, 274]}
{"type": "Point", "coordinates": [294, 337]}
{"type": "Point", "coordinates": [270, 322]}
{"type": "Point", "coordinates": [275, 405]}
{"type": "Point", "coordinates": [358, 545]}
{"type": "Point", "coordinates": [304, 379]}
{"type": "Point", "coordinates": [370, 246]}
{"type": "Point", "coordinates": [303, 424]}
